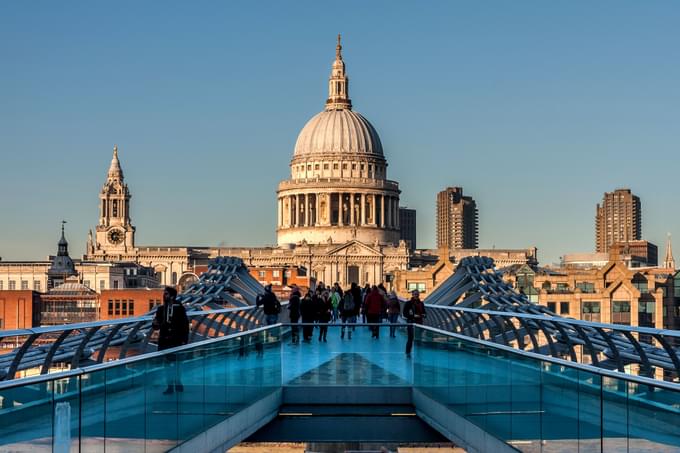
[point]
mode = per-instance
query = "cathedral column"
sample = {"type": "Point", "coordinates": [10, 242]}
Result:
{"type": "Point", "coordinates": [382, 211]}
{"type": "Point", "coordinates": [351, 210]}
{"type": "Point", "coordinates": [363, 209]}
{"type": "Point", "coordinates": [340, 213]}
{"type": "Point", "coordinates": [374, 205]}
{"type": "Point", "coordinates": [317, 208]}
{"type": "Point", "coordinates": [306, 210]}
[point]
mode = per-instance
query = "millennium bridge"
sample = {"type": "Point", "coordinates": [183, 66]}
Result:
{"type": "Point", "coordinates": [490, 371]}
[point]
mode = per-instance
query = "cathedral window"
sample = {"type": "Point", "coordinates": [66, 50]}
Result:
{"type": "Point", "coordinates": [36, 285]}
{"type": "Point", "coordinates": [325, 166]}
{"type": "Point", "coordinates": [114, 211]}
{"type": "Point", "coordinates": [354, 166]}
{"type": "Point", "coordinates": [335, 166]}
{"type": "Point", "coordinates": [316, 166]}
{"type": "Point", "coordinates": [309, 167]}
{"type": "Point", "coordinates": [344, 166]}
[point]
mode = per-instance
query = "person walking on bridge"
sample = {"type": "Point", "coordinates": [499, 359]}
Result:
{"type": "Point", "coordinates": [414, 313]}
{"type": "Point", "coordinates": [348, 313]}
{"type": "Point", "coordinates": [308, 313]}
{"type": "Point", "coordinates": [393, 311]}
{"type": "Point", "coordinates": [294, 313]}
{"type": "Point", "coordinates": [172, 324]}
{"type": "Point", "coordinates": [375, 306]}
{"type": "Point", "coordinates": [270, 305]}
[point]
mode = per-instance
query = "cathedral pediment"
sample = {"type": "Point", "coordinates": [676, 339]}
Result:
{"type": "Point", "coordinates": [355, 248]}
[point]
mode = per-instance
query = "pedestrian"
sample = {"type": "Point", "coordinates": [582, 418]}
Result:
{"type": "Point", "coordinates": [375, 304]}
{"type": "Point", "coordinates": [347, 313]}
{"type": "Point", "coordinates": [393, 310]}
{"type": "Point", "coordinates": [307, 312]}
{"type": "Point", "coordinates": [358, 297]}
{"type": "Point", "coordinates": [324, 311]}
{"type": "Point", "coordinates": [172, 324]}
{"type": "Point", "coordinates": [414, 313]}
{"type": "Point", "coordinates": [364, 294]}
{"type": "Point", "coordinates": [335, 302]}
{"type": "Point", "coordinates": [270, 305]}
{"type": "Point", "coordinates": [294, 313]}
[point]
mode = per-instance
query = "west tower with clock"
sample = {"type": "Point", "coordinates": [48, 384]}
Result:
{"type": "Point", "coordinates": [115, 234]}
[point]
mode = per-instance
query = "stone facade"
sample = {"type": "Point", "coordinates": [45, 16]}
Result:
{"type": "Point", "coordinates": [613, 293]}
{"type": "Point", "coordinates": [338, 214]}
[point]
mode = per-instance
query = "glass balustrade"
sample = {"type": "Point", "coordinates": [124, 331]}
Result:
{"type": "Point", "coordinates": [157, 401]}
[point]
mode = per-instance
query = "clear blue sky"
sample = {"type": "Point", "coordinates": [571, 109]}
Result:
{"type": "Point", "coordinates": [536, 108]}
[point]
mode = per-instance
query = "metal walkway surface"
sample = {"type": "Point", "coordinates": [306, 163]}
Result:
{"type": "Point", "coordinates": [476, 393]}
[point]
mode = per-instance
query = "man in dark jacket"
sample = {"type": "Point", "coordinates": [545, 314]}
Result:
{"type": "Point", "coordinates": [414, 313]}
{"type": "Point", "coordinates": [270, 305]}
{"type": "Point", "coordinates": [308, 313]}
{"type": "Point", "coordinates": [173, 325]}
{"type": "Point", "coordinates": [294, 313]}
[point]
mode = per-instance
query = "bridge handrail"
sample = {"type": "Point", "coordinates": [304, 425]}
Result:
{"type": "Point", "coordinates": [562, 320]}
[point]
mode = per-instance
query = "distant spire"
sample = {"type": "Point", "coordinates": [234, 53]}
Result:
{"type": "Point", "coordinates": [338, 83]}
{"type": "Point", "coordinates": [115, 172]}
{"type": "Point", "coordinates": [62, 246]}
{"type": "Point", "coordinates": [669, 261]}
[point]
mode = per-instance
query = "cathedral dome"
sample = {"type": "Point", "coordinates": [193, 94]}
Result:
{"type": "Point", "coordinates": [338, 131]}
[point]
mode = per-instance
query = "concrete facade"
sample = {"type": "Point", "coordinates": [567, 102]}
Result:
{"type": "Point", "coordinates": [457, 226]}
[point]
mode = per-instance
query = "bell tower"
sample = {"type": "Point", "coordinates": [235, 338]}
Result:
{"type": "Point", "coordinates": [115, 233]}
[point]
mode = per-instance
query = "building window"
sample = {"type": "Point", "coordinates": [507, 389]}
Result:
{"type": "Point", "coordinates": [552, 306]}
{"type": "Point", "coordinates": [586, 287]}
{"type": "Point", "coordinates": [131, 307]}
{"type": "Point", "coordinates": [287, 274]}
{"type": "Point", "coordinates": [86, 283]}
{"type": "Point", "coordinates": [117, 308]}
{"type": "Point", "coordinates": [562, 287]}
{"type": "Point", "coordinates": [564, 308]}
{"type": "Point", "coordinates": [309, 167]}
{"type": "Point", "coordinates": [262, 274]}
{"type": "Point", "coordinates": [174, 278]}
{"type": "Point", "coordinates": [335, 166]}
{"type": "Point", "coordinates": [621, 312]}
{"type": "Point", "coordinates": [36, 285]}
{"type": "Point", "coordinates": [640, 283]}
{"type": "Point", "coordinates": [412, 286]}
{"type": "Point", "coordinates": [2, 287]}
{"type": "Point", "coordinates": [646, 314]}
{"type": "Point", "coordinates": [24, 285]}
{"type": "Point", "coordinates": [276, 274]}
{"type": "Point", "coordinates": [590, 311]}
{"type": "Point", "coordinates": [110, 311]}
{"type": "Point", "coordinates": [115, 284]}
{"type": "Point", "coordinates": [325, 166]}
{"type": "Point", "coordinates": [344, 166]}
{"type": "Point", "coordinates": [12, 285]}
{"type": "Point", "coordinates": [102, 285]}
{"type": "Point", "coordinates": [354, 166]}
{"type": "Point", "coordinates": [316, 166]}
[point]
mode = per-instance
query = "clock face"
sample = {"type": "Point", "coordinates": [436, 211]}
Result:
{"type": "Point", "coordinates": [115, 236]}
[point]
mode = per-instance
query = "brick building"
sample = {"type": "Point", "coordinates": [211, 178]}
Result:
{"type": "Point", "coordinates": [125, 303]}
{"type": "Point", "coordinates": [19, 309]}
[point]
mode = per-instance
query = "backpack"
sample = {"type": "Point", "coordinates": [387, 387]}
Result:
{"type": "Point", "coordinates": [348, 303]}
